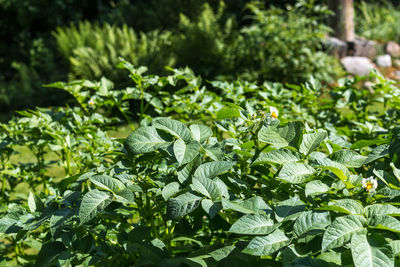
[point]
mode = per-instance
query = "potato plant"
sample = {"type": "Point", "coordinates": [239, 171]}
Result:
{"type": "Point", "coordinates": [214, 174]}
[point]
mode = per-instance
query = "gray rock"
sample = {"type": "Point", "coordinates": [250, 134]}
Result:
{"type": "Point", "coordinates": [335, 46]}
{"type": "Point", "coordinates": [365, 48]}
{"type": "Point", "coordinates": [384, 61]}
{"type": "Point", "coordinates": [393, 49]}
{"type": "Point", "coordinates": [357, 65]}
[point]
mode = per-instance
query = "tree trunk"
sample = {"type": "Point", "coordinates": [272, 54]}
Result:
{"type": "Point", "coordinates": [343, 20]}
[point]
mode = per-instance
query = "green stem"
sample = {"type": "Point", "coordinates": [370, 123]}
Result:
{"type": "Point", "coordinates": [69, 171]}
{"type": "Point", "coordinates": [126, 117]}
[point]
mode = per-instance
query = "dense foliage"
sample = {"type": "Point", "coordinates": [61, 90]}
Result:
{"type": "Point", "coordinates": [87, 42]}
{"type": "Point", "coordinates": [215, 174]}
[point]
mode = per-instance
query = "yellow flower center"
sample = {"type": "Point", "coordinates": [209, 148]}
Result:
{"type": "Point", "coordinates": [274, 115]}
{"type": "Point", "coordinates": [369, 186]}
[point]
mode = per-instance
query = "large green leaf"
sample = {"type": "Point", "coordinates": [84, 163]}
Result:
{"type": "Point", "coordinates": [253, 224]}
{"type": "Point", "coordinates": [385, 222]}
{"type": "Point", "coordinates": [93, 202]}
{"type": "Point", "coordinates": [107, 183]}
{"type": "Point", "coordinates": [312, 141]}
{"type": "Point", "coordinates": [200, 132]}
{"type": "Point", "coordinates": [341, 230]}
{"type": "Point", "coordinates": [228, 113]}
{"type": "Point", "coordinates": [210, 207]}
{"type": "Point", "coordinates": [185, 153]}
{"type": "Point", "coordinates": [182, 205]}
{"type": "Point", "coordinates": [289, 209]}
{"type": "Point", "coordinates": [287, 135]}
{"type": "Point", "coordinates": [185, 172]}
{"type": "Point", "coordinates": [279, 156]}
{"type": "Point", "coordinates": [145, 139]}
{"type": "Point", "coordinates": [338, 169]}
{"type": "Point", "coordinates": [381, 209]}
{"type": "Point", "coordinates": [34, 202]}
{"type": "Point", "coordinates": [58, 220]}
{"type": "Point", "coordinates": [206, 187]}
{"type": "Point", "coordinates": [316, 187]}
{"type": "Point", "coordinates": [311, 220]}
{"type": "Point", "coordinates": [270, 135]}
{"type": "Point", "coordinates": [213, 168]}
{"type": "Point", "coordinates": [169, 190]}
{"type": "Point", "coordinates": [174, 127]}
{"type": "Point", "coordinates": [348, 206]}
{"type": "Point", "coordinates": [377, 153]}
{"type": "Point", "coordinates": [348, 158]}
{"type": "Point", "coordinates": [266, 245]}
{"type": "Point", "coordinates": [296, 173]}
{"type": "Point", "coordinates": [371, 251]}
{"type": "Point", "coordinates": [249, 206]}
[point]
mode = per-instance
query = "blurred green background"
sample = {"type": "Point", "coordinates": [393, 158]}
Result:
{"type": "Point", "coordinates": [43, 41]}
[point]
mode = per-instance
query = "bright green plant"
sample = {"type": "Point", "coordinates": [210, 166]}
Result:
{"type": "Point", "coordinates": [260, 175]}
{"type": "Point", "coordinates": [378, 21]}
{"type": "Point", "coordinates": [93, 50]}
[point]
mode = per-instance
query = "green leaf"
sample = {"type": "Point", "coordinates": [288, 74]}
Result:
{"type": "Point", "coordinates": [279, 156]}
{"type": "Point", "coordinates": [221, 253]}
{"type": "Point", "coordinates": [295, 173]}
{"type": "Point", "coordinates": [311, 141]}
{"type": "Point", "coordinates": [125, 195]}
{"type": "Point", "coordinates": [377, 153]}
{"type": "Point", "coordinates": [348, 206]}
{"type": "Point", "coordinates": [371, 251]}
{"type": "Point", "coordinates": [58, 220]}
{"type": "Point", "coordinates": [107, 183]}
{"type": "Point", "coordinates": [49, 252]}
{"type": "Point", "coordinates": [93, 202]}
{"type": "Point", "coordinates": [316, 187]}
{"type": "Point", "coordinates": [185, 153]}
{"type": "Point", "coordinates": [253, 224]}
{"type": "Point", "coordinates": [292, 132]}
{"type": "Point", "coordinates": [34, 202]}
{"type": "Point", "coordinates": [182, 205]}
{"type": "Point", "coordinates": [338, 169]}
{"type": "Point", "coordinates": [289, 209]}
{"type": "Point", "coordinates": [200, 132]}
{"type": "Point", "coordinates": [169, 190]}
{"type": "Point", "coordinates": [228, 113]}
{"type": "Point", "coordinates": [210, 207]}
{"type": "Point", "coordinates": [385, 222]}
{"type": "Point", "coordinates": [266, 245]}
{"type": "Point", "coordinates": [145, 139]}
{"type": "Point", "coordinates": [174, 127]}
{"type": "Point", "coordinates": [341, 230]}
{"type": "Point", "coordinates": [381, 209]}
{"type": "Point", "coordinates": [348, 158]}
{"type": "Point", "coordinates": [185, 172]}
{"type": "Point", "coordinates": [249, 206]}
{"type": "Point", "coordinates": [213, 168]}
{"type": "Point", "coordinates": [311, 220]}
{"type": "Point", "coordinates": [270, 135]}
{"type": "Point", "coordinates": [395, 244]}
{"type": "Point", "coordinates": [206, 187]}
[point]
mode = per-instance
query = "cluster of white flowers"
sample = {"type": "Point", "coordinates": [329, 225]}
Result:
{"type": "Point", "coordinates": [370, 184]}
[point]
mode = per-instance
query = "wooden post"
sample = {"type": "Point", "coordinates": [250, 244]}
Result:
{"type": "Point", "coordinates": [343, 20]}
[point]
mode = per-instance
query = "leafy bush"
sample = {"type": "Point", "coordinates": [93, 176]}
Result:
{"type": "Point", "coordinates": [215, 39]}
{"type": "Point", "coordinates": [93, 51]}
{"type": "Point", "coordinates": [378, 21]}
{"type": "Point", "coordinates": [228, 180]}
{"type": "Point", "coordinates": [286, 46]}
